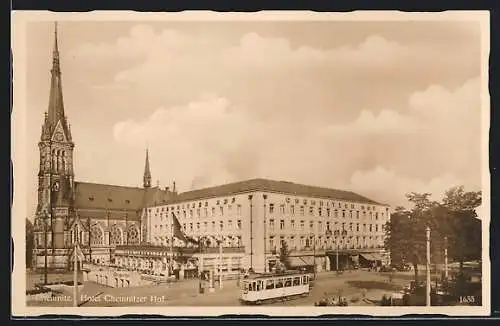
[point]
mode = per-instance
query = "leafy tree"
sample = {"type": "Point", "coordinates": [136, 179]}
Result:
{"type": "Point", "coordinates": [463, 226]}
{"type": "Point", "coordinates": [29, 243]}
{"type": "Point", "coordinates": [454, 217]}
{"type": "Point", "coordinates": [405, 232]}
{"type": "Point", "coordinates": [285, 255]}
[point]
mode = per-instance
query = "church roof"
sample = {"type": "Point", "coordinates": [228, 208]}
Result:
{"type": "Point", "coordinates": [132, 215]}
{"type": "Point", "coordinates": [267, 185]}
{"type": "Point", "coordinates": [111, 197]}
{"type": "Point", "coordinates": [93, 199]}
{"type": "Point", "coordinates": [55, 111]}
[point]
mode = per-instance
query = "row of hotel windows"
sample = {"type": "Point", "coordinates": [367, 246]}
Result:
{"type": "Point", "coordinates": [230, 226]}
{"type": "Point", "coordinates": [371, 227]}
{"type": "Point", "coordinates": [320, 212]}
{"type": "Point", "coordinates": [226, 242]}
{"type": "Point", "coordinates": [190, 213]}
{"type": "Point", "coordinates": [325, 212]}
{"type": "Point", "coordinates": [322, 242]}
{"type": "Point", "coordinates": [271, 205]}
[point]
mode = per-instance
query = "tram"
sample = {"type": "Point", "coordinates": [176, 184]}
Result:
{"type": "Point", "coordinates": [274, 287]}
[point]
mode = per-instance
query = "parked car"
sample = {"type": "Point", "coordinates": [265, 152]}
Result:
{"type": "Point", "coordinates": [402, 267]}
{"type": "Point", "coordinates": [386, 268]}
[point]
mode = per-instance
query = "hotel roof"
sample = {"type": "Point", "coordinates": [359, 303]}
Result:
{"type": "Point", "coordinates": [272, 186]}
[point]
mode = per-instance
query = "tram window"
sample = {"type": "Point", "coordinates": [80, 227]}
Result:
{"type": "Point", "coordinates": [304, 279]}
{"type": "Point", "coordinates": [254, 286]}
{"type": "Point", "coordinates": [259, 285]}
{"type": "Point", "coordinates": [296, 281]}
{"type": "Point", "coordinates": [269, 284]}
{"type": "Point", "coordinates": [288, 282]}
{"type": "Point", "coordinates": [279, 283]}
{"type": "Point", "coordinates": [245, 286]}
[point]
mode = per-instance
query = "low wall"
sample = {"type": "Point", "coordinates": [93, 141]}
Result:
{"type": "Point", "coordinates": [45, 296]}
{"type": "Point", "coordinates": [117, 278]}
{"type": "Point", "coordinates": [59, 287]}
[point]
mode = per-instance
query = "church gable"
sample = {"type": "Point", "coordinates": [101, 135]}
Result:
{"type": "Point", "coordinates": [59, 135]}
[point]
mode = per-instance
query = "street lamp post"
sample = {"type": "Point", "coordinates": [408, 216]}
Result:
{"type": "Point", "coordinates": [428, 266]}
{"type": "Point", "coordinates": [264, 196]}
{"type": "Point", "coordinates": [220, 264]}
{"type": "Point", "coordinates": [446, 258]}
{"type": "Point", "coordinates": [200, 264]}
{"type": "Point", "coordinates": [314, 255]}
{"type": "Point", "coordinates": [90, 239]}
{"type": "Point", "coordinates": [251, 231]}
{"type": "Point", "coordinates": [45, 271]}
{"type": "Point", "coordinates": [328, 234]}
{"type": "Point", "coordinates": [343, 234]}
{"type": "Point", "coordinates": [336, 234]}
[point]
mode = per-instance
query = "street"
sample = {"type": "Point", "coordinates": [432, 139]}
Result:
{"type": "Point", "coordinates": [350, 284]}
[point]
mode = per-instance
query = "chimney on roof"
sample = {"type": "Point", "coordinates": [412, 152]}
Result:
{"type": "Point", "coordinates": [173, 189]}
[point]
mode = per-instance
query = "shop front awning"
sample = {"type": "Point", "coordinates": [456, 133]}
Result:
{"type": "Point", "coordinates": [301, 261]}
{"type": "Point", "coordinates": [368, 257]}
{"type": "Point", "coordinates": [371, 257]}
{"type": "Point", "coordinates": [377, 257]}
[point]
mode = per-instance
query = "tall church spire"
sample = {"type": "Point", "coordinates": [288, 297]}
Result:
{"type": "Point", "coordinates": [55, 112]}
{"type": "Point", "coordinates": [147, 172]}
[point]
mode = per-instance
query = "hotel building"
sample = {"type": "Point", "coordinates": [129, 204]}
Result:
{"type": "Point", "coordinates": [259, 216]}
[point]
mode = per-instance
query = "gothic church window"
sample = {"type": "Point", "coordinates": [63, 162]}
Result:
{"type": "Point", "coordinates": [133, 235]}
{"type": "Point", "coordinates": [96, 235]}
{"type": "Point", "coordinates": [115, 236]}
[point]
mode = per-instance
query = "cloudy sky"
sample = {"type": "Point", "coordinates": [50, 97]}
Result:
{"type": "Point", "coordinates": [380, 108]}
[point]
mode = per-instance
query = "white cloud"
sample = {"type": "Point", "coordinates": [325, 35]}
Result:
{"type": "Point", "coordinates": [368, 122]}
{"type": "Point", "coordinates": [212, 141]}
{"type": "Point", "coordinates": [191, 141]}
{"type": "Point", "coordinates": [387, 186]}
{"type": "Point", "coordinates": [458, 105]}
{"type": "Point", "coordinates": [428, 143]}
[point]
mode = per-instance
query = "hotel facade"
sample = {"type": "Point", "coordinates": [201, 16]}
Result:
{"type": "Point", "coordinates": [260, 216]}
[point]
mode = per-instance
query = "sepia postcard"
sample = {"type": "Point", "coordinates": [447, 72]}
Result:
{"type": "Point", "coordinates": [272, 163]}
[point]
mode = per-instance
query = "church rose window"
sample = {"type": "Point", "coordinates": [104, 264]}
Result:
{"type": "Point", "coordinates": [133, 235]}
{"type": "Point", "coordinates": [96, 235]}
{"type": "Point", "coordinates": [115, 235]}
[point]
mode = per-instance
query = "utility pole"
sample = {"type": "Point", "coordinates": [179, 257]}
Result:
{"type": "Point", "coordinates": [200, 264]}
{"type": "Point", "coordinates": [220, 264]}
{"type": "Point", "coordinates": [109, 200]}
{"type": "Point", "coordinates": [90, 240]}
{"type": "Point", "coordinates": [428, 267]}
{"type": "Point", "coordinates": [45, 271]}
{"type": "Point", "coordinates": [265, 226]}
{"type": "Point", "coordinates": [328, 234]}
{"type": "Point", "coordinates": [251, 231]}
{"type": "Point", "coordinates": [314, 255]}
{"type": "Point", "coordinates": [75, 277]}
{"type": "Point", "coordinates": [336, 233]}
{"type": "Point", "coordinates": [446, 258]}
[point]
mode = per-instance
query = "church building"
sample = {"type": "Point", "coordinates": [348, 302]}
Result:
{"type": "Point", "coordinates": [98, 216]}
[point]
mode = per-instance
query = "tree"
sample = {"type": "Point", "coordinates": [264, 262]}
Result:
{"type": "Point", "coordinates": [285, 255]}
{"type": "Point", "coordinates": [29, 243]}
{"type": "Point", "coordinates": [405, 232]}
{"type": "Point", "coordinates": [463, 227]}
{"type": "Point", "coordinates": [454, 217]}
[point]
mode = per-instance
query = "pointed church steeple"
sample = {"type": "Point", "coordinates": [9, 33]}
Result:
{"type": "Point", "coordinates": [147, 172]}
{"type": "Point", "coordinates": [55, 112]}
